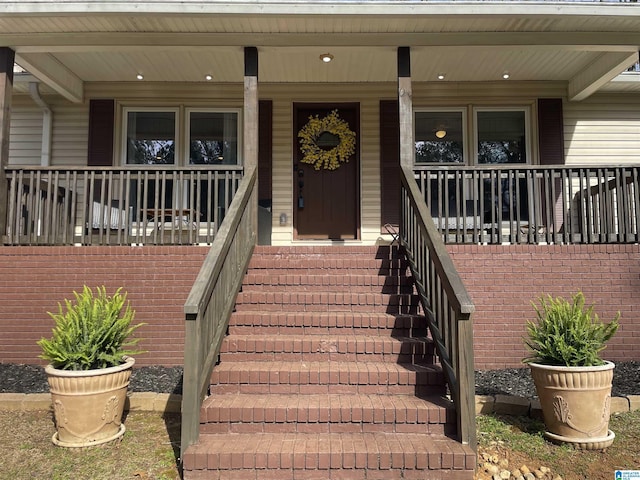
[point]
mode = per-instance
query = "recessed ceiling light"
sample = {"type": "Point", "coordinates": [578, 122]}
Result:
{"type": "Point", "coordinates": [326, 57]}
{"type": "Point", "coordinates": [506, 75]}
{"type": "Point", "coordinates": [140, 76]}
{"type": "Point", "coordinates": [441, 76]}
{"type": "Point", "coordinates": [208, 78]}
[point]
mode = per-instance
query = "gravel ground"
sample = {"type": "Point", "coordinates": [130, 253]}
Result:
{"type": "Point", "coordinates": [32, 379]}
{"type": "Point", "coordinates": [512, 381]}
{"type": "Point", "coordinates": [517, 381]}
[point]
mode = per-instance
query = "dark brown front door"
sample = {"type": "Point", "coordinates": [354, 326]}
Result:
{"type": "Point", "coordinates": [326, 202]}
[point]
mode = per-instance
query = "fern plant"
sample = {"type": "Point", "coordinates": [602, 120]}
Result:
{"type": "Point", "coordinates": [91, 332]}
{"type": "Point", "coordinates": [567, 333]}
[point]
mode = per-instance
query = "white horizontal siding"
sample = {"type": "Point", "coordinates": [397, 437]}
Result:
{"type": "Point", "coordinates": [25, 136]}
{"type": "Point", "coordinates": [70, 134]}
{"type": "Point", "coordinates": [604, 129]}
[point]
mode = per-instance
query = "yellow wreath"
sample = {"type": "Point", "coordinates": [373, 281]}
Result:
{"type": "Point", "coordinates": [318, 157]}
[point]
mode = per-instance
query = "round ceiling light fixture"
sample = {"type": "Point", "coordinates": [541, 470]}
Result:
{"type": "Point", "coordinates": [326, 57]}
{"type": "Point", "coordinates": [140, 76]}
{"type": "Point", "coordinates": [441, 133]}
{"type": "Point", "coordinates": [506, 75]}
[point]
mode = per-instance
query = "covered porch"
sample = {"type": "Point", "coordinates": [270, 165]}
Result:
{"type": "Point", "coordinates": [60, 191]}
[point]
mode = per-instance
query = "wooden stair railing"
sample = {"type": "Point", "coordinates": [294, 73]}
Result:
{"type": "Point", "coordinates": [211, 301]}
{"type": "Point", "coordinates": [444, 299]}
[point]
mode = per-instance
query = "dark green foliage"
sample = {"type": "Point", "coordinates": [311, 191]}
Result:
{"type": "Point", "coordinates": [92, 333]}
{"type": "Point", "coordinates": [566, 334]}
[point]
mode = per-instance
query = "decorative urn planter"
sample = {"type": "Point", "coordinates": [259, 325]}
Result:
{"type": "Point", "coordinates": [88, 404]}
{"type": "Point", "coordinates": [575, 403]}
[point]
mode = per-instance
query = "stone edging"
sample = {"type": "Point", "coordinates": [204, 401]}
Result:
{"type": "Point", "coordinates": [171, 403]}
{"type": "Point", "coordinates": [136, 402]}
{"type": "Point", "coordinates": [512, 405]}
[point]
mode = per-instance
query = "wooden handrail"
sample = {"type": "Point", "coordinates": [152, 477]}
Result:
{"type": "Point", "coordinates": [211, 301]}
{"type": "Point", "coordinates": [445, 301]}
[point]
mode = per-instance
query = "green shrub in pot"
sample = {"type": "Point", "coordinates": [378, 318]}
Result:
{"type": "Point", "coordinates": [566, 333]}
{"type": "Point", "coordinates": [94, 332]}
{"type": "Point", "coordinates": [572, 381]}
{"type": "Point", "coordinates": [90, 362]}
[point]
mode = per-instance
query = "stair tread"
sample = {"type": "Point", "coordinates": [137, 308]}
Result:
{"type": "Point", "coordinates": [370, 451]}
{"type": "Point", "coordinates": [248, 400]}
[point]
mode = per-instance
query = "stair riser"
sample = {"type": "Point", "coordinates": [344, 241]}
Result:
{"type": "Point", "coordinates": [330, 288]}
{"type": "Point", "coordinates": [315, 389]}
{"type": "Point", "coordinates": [325, 377]}
{"type": "Point", "coordinates": [366, 251]}
{"type": "Point", "coordinates": [281, 277]}
{"type": "Point", "coordinates": [286, 297]}
{"type": "Point", "coordinates": [311, 264]}
{"type": "Point", "coordinates": [323, 307]}
{"type": "Point", "coordinates": [318, 389]}
{"type": "Point", "coordinates": [333, 474]}
{"type": "Point", "coordinates": [367, 320]}
{"type": "Point", "coordinates": [313, 331]}
{"type": "Point", "coordinates": [322, 412]}
{"type": "Point", "coordinates": [326, 357]}
{"type": "Point", "coordinates": [293, 427]}
{"type": "Point", "coordinates": [243, 348]}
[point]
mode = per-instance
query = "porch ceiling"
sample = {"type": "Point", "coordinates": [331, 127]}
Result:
{"type": "Point", "coordinates": [64, 46]}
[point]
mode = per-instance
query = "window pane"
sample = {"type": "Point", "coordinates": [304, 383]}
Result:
{"type": "Point", "coordinates": [151, 138]}
{"type": "Point", "coordinates": [501, 137]}
{"type": "Point", "coordinates": [213, 138]}
{"type": "Point", "coordinates": [439, 137]}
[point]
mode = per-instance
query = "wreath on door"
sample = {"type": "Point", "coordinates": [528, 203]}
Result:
{"type": "Point", "coordinates": [331, 158]}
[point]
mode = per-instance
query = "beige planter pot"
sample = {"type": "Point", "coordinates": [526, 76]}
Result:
{"type": "Point", "coordinates": [88, 404]}
{"type": "Point", "coordinates": [576, 403]}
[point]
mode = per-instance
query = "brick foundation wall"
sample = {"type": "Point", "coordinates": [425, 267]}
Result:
{"type": "Point", "coordinates": [158, 280]}
{"type": "Point", "coordinates": [503, 280]}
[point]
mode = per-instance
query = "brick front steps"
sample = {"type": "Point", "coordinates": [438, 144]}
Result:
{"type": "Point", "coordinates": [327, 373]}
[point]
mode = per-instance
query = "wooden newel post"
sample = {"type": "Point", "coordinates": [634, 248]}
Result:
{"type": "Point", "coordinates": [250, 123]}
{"type": "Point", "coordinates": [7, 57]}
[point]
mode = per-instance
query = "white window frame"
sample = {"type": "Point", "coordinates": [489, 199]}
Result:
{"type": "Point", "coordinates": [465, 140]}
{"type": "Point", "coordinates": [187, 130]}
{"type": "Point", "coordinates": [124, 129]}
{"type": "Point", "coordinates": [527, 130]}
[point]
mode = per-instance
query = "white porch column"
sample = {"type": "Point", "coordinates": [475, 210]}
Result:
{"type": "Point", "coordinates": [7, 57]}
{"type": "Point", "coordinates": [405, 107]}
{"type": "Point", "coordinates": [250, 121]}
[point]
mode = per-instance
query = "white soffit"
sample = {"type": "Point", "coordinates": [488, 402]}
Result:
{"type": "Point", "coordinates": [65, 43]}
